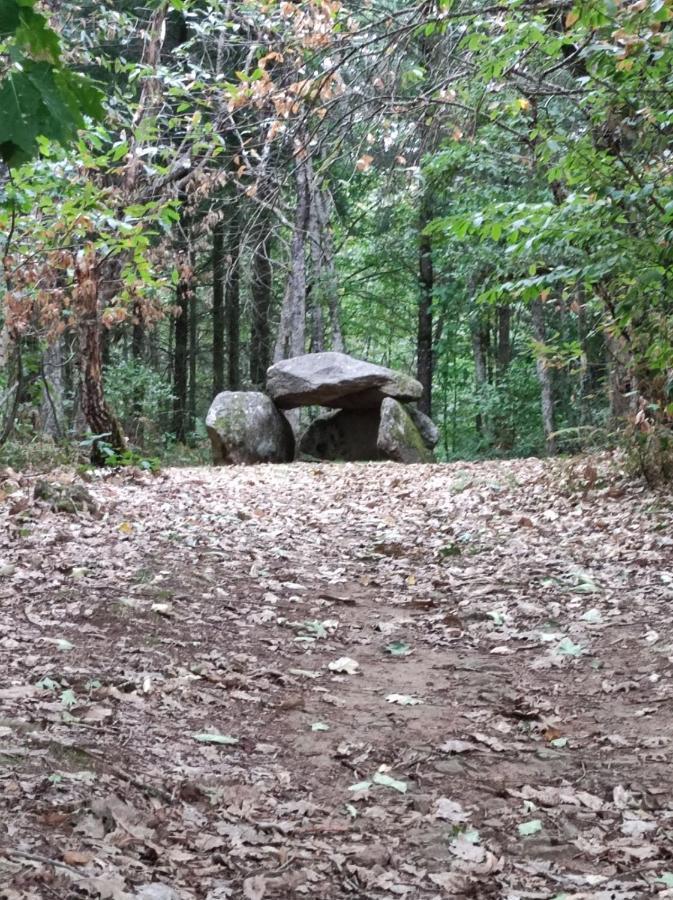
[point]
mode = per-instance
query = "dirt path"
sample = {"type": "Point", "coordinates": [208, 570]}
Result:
{"type": "Point", "coordinates": [339, 681]}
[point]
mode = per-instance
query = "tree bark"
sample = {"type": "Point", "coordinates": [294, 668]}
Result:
{"type": "Point", "coordinates": [261, 290]}
{"type": "Point", "coordinates": [218, 308]}
{"type": "Point", "coordinates": [544, 375]}
{"type": "Point", "coordinates": [99, 417]}
{"type": "Point", "coordinates": [193, 352]}
{"type": "Point", "coordinates": [292, 327]}
{"type": "Point", "coordinates": [233, 301]}
{"type": "Point", "coordinates": [480, 344]}
{"type": "Point", "coordinates": [622, 385]}
{"type": "Point", "coordinates": [51, 411]}
{"type": "Point", "coordinates": [424, 348]}
{"type": "Point", "coordinates": [180, 358]}
{"type": "Point", "coordinates": [315, 290]}
{"type": "Point", "coordinates": [504, 354]}
{"type": "Point", "coordinates": [324, 284]}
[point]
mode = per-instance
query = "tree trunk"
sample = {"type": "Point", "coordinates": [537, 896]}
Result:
{"type": "Point", "coordinates": [137, 347]}
{"type": "Point", "coordinates": [51, 412]}
{"type": "Point", "coordinates": [180, 358]}
{"type": "Point", "coordinates": [218, 308]}
{"type": "Point", "coordinates": [424, 354]}
{"type": "Point", "coordinates": [324, 285]}
{"type": "Point", "coordinates": [292, 327]}
{"type": "Point", "coordinates": [261, 290]}
{"type": "Point", "coordinates": [193, 351]}
{"type": "Point", "coordinates": [504, 354]}
{"type": "Point", "coordinates": [623, 393]}
{"type": "Point", "coordinates": [99, 417]}
{"type": "Point", "coordinates": [232, 301]}
{"type": "Point", "coordinates": [544, 375]}
{"type": "Point", "coordinates": [480, 344]}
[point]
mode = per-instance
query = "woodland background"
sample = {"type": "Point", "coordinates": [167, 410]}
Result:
{"type": "Point", "coordinates": [478, 193]}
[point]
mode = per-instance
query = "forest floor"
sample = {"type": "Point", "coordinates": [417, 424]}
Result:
{"type": "Point", "coordinates": [345, 681]}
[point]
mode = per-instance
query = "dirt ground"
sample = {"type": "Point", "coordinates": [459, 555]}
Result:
{"type": "Point", "coordinates": [338, 681]}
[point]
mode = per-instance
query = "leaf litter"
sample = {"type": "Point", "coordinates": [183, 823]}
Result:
{"type": "Point", "coordinates": [136, 640]}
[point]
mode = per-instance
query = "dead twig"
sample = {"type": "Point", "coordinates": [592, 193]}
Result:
{"type": "Point", "coordinates": [11, 853]}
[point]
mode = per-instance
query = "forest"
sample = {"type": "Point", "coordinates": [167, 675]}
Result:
{"type": "Point", "coordinates": [428, 652]}
{"type": "Point", "coordinates": [478, 195]}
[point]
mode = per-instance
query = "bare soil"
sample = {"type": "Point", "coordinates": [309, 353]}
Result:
{"type": "Point", "coordinates": [338, 681]}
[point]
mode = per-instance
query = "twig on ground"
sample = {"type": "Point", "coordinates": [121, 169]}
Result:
{"type": "Point", "coordinates": [11, 853]}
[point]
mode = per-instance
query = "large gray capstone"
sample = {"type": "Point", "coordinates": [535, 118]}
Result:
{"type": "Point", "coordinates": [346, 434]}
{"type": "Point", "coordinates": [245, 427]}
{"type": "Point", "coordinates": [398, 438]}
{"type": "Point", "coordinates": [336, 380]}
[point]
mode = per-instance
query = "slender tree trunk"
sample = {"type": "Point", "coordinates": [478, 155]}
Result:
{"type": "Point", "coordinates": [623, 393]}
{"type": "Point", "coordinates": [51, 411]}
{"type": "Point", "coordinates": [292, 327]}
{"type": "Point", "coordinates": [218, 308]}
{"type": "Point", "coordinates": [99, 417]}
{"type": "Point", "coordinates": [261, 290]}
{"type": "Point", "coordinates": [480, 343]}
{"type": "Point", "coordinates": [424, 348]}
{"type": "Point", "coordinates": [233, 301]}
{"type": "Point", "coordinates": [315, 292]}
{"type": "Point", "coordinates": [504, 350]}
{"type": "Point", "coordinates": [324, 284]}
{"type": "Point", "coordinates": [193, 353]}
{"type": "Point", "coordinates": [544, 375]}
{"type": "Point", "coordinates": [137, 347]}
{"type": "Point", "coordinates": [181, 353]}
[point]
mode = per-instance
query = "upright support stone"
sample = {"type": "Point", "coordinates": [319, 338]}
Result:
{"type": "Point", "coordinates": [245, 427]}
{"type": "Point", "coordinates": [398, 438]}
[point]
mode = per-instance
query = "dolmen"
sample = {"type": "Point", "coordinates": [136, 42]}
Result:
{"type": "Point", "coordinates": [372, 415]}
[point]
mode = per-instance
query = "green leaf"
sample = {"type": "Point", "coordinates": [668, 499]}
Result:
{"type": "Point", "coordinates": [531, 827]}
{"type": "Point", "coordinates": [21, 118]}
{"type": "Point", "coordinates": [403, 699]}
{"type": "Point", "coordinates": [68, 699]}
{"type": "Point", "coordinates": [210, 737]}
{"type": "Point", "coordinates": [35, 34]}
{"type": "Point", "coordinates": [666, 878]}
{"type": "Point", "coordinates": [387, 781]}
{"type": "Point", "coordinates": [9, 17]}
{"type": "Point", "coordinates": [450, 550]}
{"type": "Point", "coordinates": [360, 786]}
{"type": "Point", "coordinates": [398, 648]}
{"type": "Point", "coordinates": [593, 616]}
{"type": "Point", "coordinates": [567, 648]}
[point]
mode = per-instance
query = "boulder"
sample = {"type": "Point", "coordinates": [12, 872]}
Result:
{"type": "Point", "coordinates": [245, 427]}
{"type": "Point", "coordinates": [336, 380]}
{"type": "Point", "coordinates": [398, 438]}
{"type": "Point", "coordinates": [428, 429]}
{"type": "Point", "coordinates": [347, 434]}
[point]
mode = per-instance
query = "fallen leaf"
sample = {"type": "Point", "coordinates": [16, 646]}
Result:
{"type": "Point", "coordinates": [387, 781]}
{"type": "Point", "coordinates": [344, 665]}
{"type": "Point", "coordinates": [208, 737]}
{"type": "Point", "coordinates": [530, 827]}
{"type": "Point", "coordinates": [403, 699]}
{"type": "Point", "coordinates": [77, 858]}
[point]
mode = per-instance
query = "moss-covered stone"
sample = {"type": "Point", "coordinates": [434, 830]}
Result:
{"type": "Point", "coordinates": [245, 427]}
{"type": "Point", "coordinates": [398, 438]}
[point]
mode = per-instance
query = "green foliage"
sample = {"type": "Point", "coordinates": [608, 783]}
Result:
{"type": "Point", "coordinates": [39, 96]}
{"type": "Point", "coordinates": [131, 386]}
{"type": "Point", "coordinates": [116, 459]}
